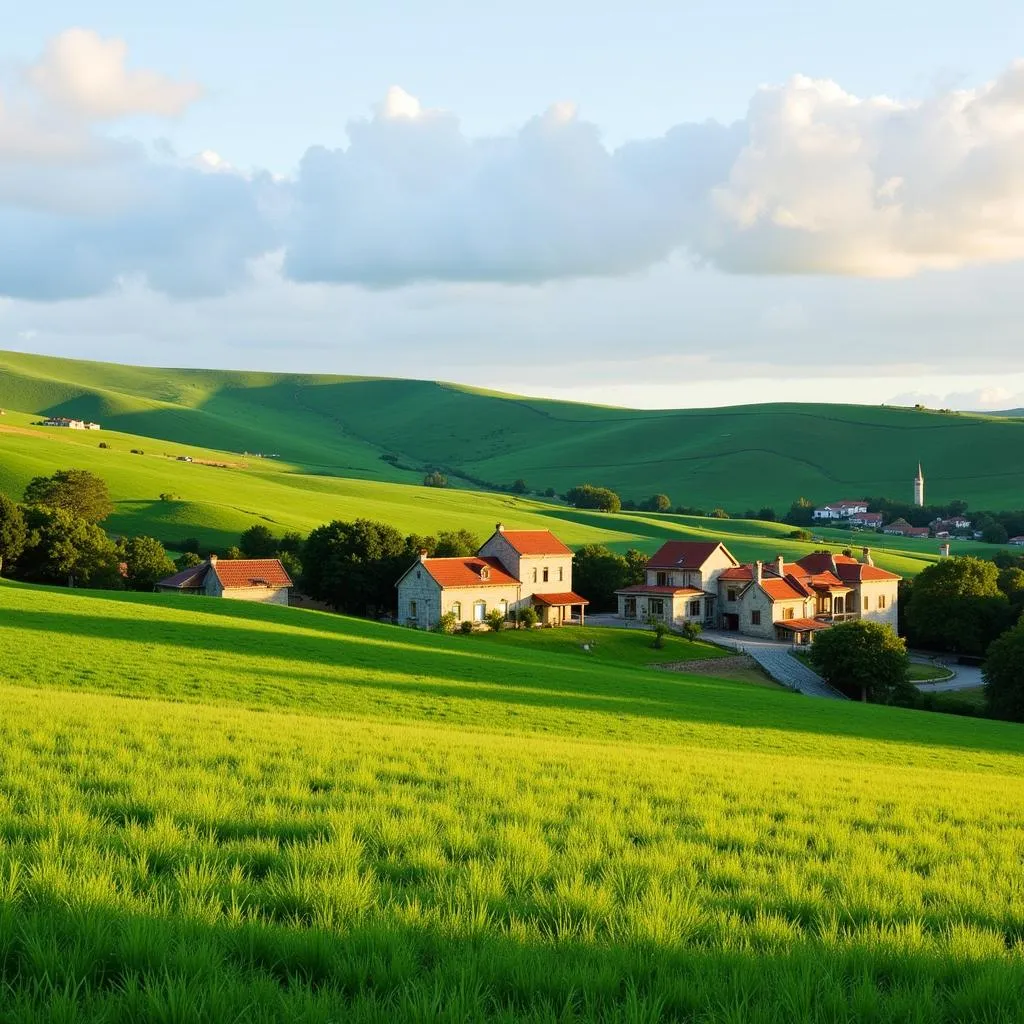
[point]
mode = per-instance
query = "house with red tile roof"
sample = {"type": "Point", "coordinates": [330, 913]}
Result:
{"type": "Point", "coordinates": [841, 509]}
{"type": "Point", "coordinates": [869, 520]}
{"type": "Point", "coordinates": [239, 579]}
{"type": "Point", "coordinates": [512, 570]}
{"type": "Point", "coordinates": [680, 585]}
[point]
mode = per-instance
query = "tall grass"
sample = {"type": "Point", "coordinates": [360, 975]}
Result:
{"type": "Point", "coordinates": [264, 855]}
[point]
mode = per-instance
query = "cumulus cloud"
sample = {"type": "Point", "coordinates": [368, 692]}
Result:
{"type": "Point", "coordinates": [812, 180]}
{"type": "Point", "coordinates": [88, 75]}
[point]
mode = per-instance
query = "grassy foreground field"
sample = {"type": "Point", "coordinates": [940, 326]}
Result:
{"type": "Point", "coordinates": [217, 812]}
{"type": "Point", "coordinates": [738, 458]}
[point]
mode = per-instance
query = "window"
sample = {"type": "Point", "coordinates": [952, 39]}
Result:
{"type": "Point", "coordinates": [755, 618]}
{"type": "Point", "coordinates": [865, 604]}
{"type": "Point", "coordinates": [545, 575]}
{"type": "Point", "coordinates": [412, 609]}
{"type": "Point", "coordinates": [534, 575]}
{"type": "Point", "coordinates": [693, 609]}
{"type": "Point", "coordinates": [731, 594]}
{"type": "Point", "coordinates": [503, 608]}
{"type": "Point", "coordinates": [662, 579]}
{"type": "Point", "coordinates": [457, 610]}
{"type": "Point", "coordinates": [656, 607]}
{"type": "Point", "coordinates": [789, 614]}
{"type": "Point", "coordinates": [479, 611]}
{"type": "Point", "coordinates": [561, 575]}
{"type": "Point", "coordinates": [881, 600]}
{"type": "Point", "coordinates": [629, 609]}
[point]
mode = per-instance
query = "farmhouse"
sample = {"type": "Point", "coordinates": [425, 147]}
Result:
{"type": "Point", "coordinates": [841, 510]}
{"type": "Point", "coordinates": [870, 520]}
{"type": "Point", "coordinates": [702, 582]}
{"type": "Point", "coordinates": [238, 579]}
{"type": "Point", "coordinates": [680, 585]}
{"type": "Point", "coordinates": [70, 424]}
{"type": "Point", "coordinates": [948, 526]}
{"type": "Point", "coordinates": [1019, 541]}
{"type": "Point", "coordinates": [513, 569]}
{"type": "Point", "coordinates": [901, 528]}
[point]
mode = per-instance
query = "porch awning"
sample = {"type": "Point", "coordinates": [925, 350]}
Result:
{"type": "Point", "coordinates": [560, 600]}
{"type": "Point", "coordinates": [800, 625]}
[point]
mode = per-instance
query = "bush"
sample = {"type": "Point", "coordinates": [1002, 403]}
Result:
{"type": "Point", "coordinates": [519, 487]}
{"type": "Point", "coordinates": [692, 630]}
{"type": "Point", "coordinates": [447, 623]}
{"type": "Point", "coordinates": [528, 617]}
{"type": "Point", "coordinates": [138, 451]}
{"type": "Point", "coordinates": [801, 535]}
{"type": "Point", "coordinates": [103, 444]}
{"type": "Point", "coordinates": [495, 619]}
{"type": "Point", "coordinates": [466, 627]}
{"type": "Point", "coordinates": [168, 496]}
{"type": "Point", "coordinates": [660, 629]}
{"type": "Point", "coordinates": [865, 660]}
{"type": "Point", "coordinates": [587, 496]}
{"type": "Point", "coordinates": [435, 479]}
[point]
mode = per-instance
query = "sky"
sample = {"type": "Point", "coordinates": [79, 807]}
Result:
{"type": "Point", "coordinates": [660, 204]}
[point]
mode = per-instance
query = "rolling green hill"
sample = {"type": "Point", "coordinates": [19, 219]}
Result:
{"type": "Point", "coordinates": [223, 812]}
{"type": "Point", "coordinates": [217, 496]}
{"type": "Point", "coordinates": [737, 458]}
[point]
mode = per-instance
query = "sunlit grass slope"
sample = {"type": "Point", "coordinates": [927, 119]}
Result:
{"type": "Point", "coordinates": [221, 494]}
{"type": "Point", "coordinates": [217, 812]}
{"type": "Point", "coordinates": [734, 457]}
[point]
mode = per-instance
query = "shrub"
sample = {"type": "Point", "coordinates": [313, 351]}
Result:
{"type": "Point", "coordinates": [495, 619]}
{"type": "Point", "coordinates": [138, 451]}
{"type": "Point", "coordinates": [660, 629]}
{"type": "Point", "coordinates": [801, 534]}
{"type": "Point", "coordinates": [103, 444]}
{"type": "Point", "coordinates": [864, 659]}
{"type": "Point", "coordinates": [692, 630]}
{"type": "Point", "coordinates": [168, 496]}
{"type": "Point", "coordinates": [466, 627]}
{"type": "Point", "coordinates": [447, 623]}
{"type": "Point", "coordinates": [549, 492]}
{"type": "Point", "coordinates": [588, 496]}
{"type": "Point", "coordinates": [435, 479]}
{"type": "Point", "coordinates": [528, 617]}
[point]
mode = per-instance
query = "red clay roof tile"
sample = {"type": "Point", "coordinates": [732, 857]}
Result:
{"type": "Point", "coordinates": [682, 554]}
{"type": "Point", "coordinates": [535, 542]}
{"type": "Point", "coordinates": [568, 597]}
{"type": "Point", "coordinates": [467, 572]}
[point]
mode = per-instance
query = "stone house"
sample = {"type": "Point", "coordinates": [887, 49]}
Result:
{"type": "Point", "coordinates": [513, 569]}
{"type": "Point", "coordinates": [237, 579]}
{"type": "Point", "coordinates": [680, 585]}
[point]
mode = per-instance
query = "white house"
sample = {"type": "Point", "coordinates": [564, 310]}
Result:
{"type": "Point", "coordinates": [840, 510]}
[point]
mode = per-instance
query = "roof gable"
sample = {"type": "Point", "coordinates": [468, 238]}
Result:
{"type": "Point", "coordinates": [468, 571]}
{"type": "Point", "coordinates": [534, 542]}
{"type": "Point", "coordinates": [686, 554]}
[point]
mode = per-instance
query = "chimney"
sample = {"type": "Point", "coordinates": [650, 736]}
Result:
{"type": "Point", "coordinates": [868, 560]}
{"type": "Point", "coordinates": [758, 571]}
{"type": "Point", "coordinates": [499, 527]}
{"type": "Point", "coordinates": [423, 554]}
{"type": "Point", "coordinates": [213, 559]}
{"type": "Point", "coordinates": [780, 566]}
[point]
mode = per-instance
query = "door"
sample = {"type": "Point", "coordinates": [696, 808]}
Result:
{"type": "Point", "coordinates": [479, 611]}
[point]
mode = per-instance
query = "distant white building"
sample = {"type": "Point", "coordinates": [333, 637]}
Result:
{"type": "Point", "coordinates": [70, 424]}
{"type": "Point", "coordinates": [841, 510]}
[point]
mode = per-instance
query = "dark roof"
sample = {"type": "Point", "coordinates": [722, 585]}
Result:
{"type": "Point", "coordinates": [187, 579]}
{"type": "Point", "coordinates": [684, 554]}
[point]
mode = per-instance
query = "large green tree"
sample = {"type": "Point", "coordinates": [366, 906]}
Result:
{"type": "Point", "coordinates": [13, 532]}
{"type": "Point", "coordinates": [863, 659]}
{"type": "Point", "coordinates": [956, 605]}
{"type": "Point", "coordinates": [77, 491]}
{"type": "Point", "coordinates": [258, 542]}
{"type": "Point", "coordinates": [146, 562]}
{"type": "Point", "coordinates": [455, 543]}
{"type": "Point", "coordinates": [65, 549]}
{"type": "Point", "coordinates": [353, 566]}
{"type": "Point", "coordinates": [597, 572]}
{"type": "Point", "coordinates": [1004, 675]}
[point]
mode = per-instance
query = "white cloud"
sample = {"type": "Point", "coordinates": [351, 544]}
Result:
{"type": "Point", "coordinates": [88, 76]}
{"type": "Point", "coordinates": [813, 180]}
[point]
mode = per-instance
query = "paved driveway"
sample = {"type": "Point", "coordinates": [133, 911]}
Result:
{"type": "Point", "coordinates": [968, 677]}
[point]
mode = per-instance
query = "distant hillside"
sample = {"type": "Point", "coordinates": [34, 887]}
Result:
{"type": "Point", "coordinates": [391, 429]}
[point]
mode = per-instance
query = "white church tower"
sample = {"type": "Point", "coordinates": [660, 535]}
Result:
{"type": "Point", "coordinates": [919, 487]}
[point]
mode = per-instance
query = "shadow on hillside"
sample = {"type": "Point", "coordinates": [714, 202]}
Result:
{"type": "Point", "coordinates": [96, 962]}
{"type": "Point", "coordinates": [430, 666]}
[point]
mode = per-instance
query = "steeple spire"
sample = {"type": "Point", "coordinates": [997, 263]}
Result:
{"type": "Point", "coordinates": [919, 486]}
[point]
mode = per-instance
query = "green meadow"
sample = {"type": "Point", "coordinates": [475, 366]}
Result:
{"type": "Point", "coordinates": [737, 458]}
{"type": "Point", "coordinates": [222, 812]}
{"type": "Point", "coordinates": [215, 502]}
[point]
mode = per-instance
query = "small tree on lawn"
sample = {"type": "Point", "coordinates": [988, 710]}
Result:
{"type": "Point", "coordinates": [528, 617]}
{"type": "Point", "coordinates": [692, 631]}
{"type": "Point", "coordinates": [659, 629]}
{"type": "Point", "coordinates": [447, 624]}
{"type": "Point", "coordinates": [495, 619]}
{"type": "Point", "coordinates": [1004, 675]}
{"type": "Point", "coordinates": [863, 659]}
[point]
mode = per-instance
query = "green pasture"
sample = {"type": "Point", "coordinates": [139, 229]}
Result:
{"type": "Point", "coordinates": [737, 458]}
{"type": "Point", "coordinates": [216, 504]}
{"type": "Point", "coordinates": [213, 811]}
